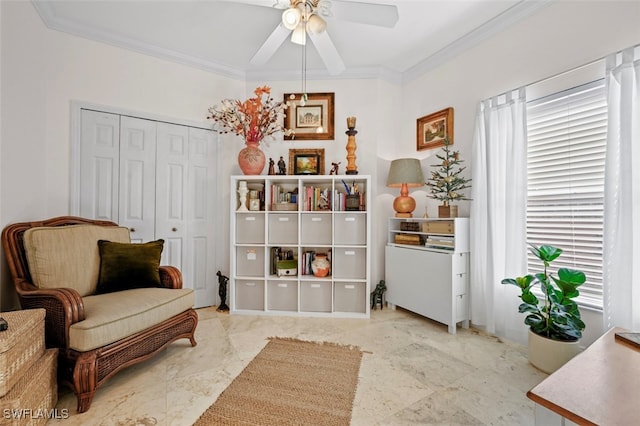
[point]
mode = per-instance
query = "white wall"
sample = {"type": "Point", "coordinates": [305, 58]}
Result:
{"type": "Point", "coordinates": [43, 70]}
{"type": "Point", "coordinates": [559, 37]}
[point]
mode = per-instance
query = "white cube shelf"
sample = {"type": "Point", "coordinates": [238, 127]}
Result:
{"type": "Point", "coordinates": [301, 214]}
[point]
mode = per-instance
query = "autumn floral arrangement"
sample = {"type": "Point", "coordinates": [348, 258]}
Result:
{"type": "Point", "coordinates": [254, 119]}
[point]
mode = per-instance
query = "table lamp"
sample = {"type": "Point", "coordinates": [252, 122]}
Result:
{"type": "Point", "coordinates": [405, 173]}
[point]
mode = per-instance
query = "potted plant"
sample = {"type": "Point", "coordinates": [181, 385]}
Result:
{"type": "Point", "coordinates": [447, 182]}
{"type": "Point", "coordinates": [555, 326]}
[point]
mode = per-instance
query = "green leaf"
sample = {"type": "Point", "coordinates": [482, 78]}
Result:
{"type": "Point", "coordinates": [572, 276]}
{"type": "Point", "coordinates": [546, 253]}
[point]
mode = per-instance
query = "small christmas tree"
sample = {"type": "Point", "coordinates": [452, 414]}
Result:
{"type": "Point", "coordinates": [447, 183]}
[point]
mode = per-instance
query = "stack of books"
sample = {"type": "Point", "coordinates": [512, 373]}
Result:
{"type": "Point", "coordinates": [411, 239]}
{"type": "Point", "coordinates": [440, 241]}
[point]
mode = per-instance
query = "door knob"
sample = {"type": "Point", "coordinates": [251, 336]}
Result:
{"type": "Point", "coordinates": [174, 229]}
{"type": "Point", "coordinates": [133, 229]}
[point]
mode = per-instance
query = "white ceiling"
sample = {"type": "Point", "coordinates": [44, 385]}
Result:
{"type": "Point", "coordinates": [223, 36]}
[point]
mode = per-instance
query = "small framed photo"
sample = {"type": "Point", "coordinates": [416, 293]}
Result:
{"type": "Point", "coordinates": [254, 204]}
{"type": "Point", "coordinates": [312, 121]}
{"type": "Point", "coordinates": [432, 129]}
{"type": "Point", "coordinates": [306, 161]}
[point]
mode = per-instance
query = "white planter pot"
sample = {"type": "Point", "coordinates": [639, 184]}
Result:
{"type": "Point", "coordinates": [549, 355]}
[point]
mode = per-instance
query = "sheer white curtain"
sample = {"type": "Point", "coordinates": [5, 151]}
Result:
{"type": "Point", "coordinates": [621, 245]}
{"type": "Point", "coordinates": [498, 214]}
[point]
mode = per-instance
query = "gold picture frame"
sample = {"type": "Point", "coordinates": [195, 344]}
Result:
{"type": "Point", "coordinates": [314, 120]}
{"type": "Point", "coordinates": [432, 129]}
{"type": "Point", "coordinates": [306, 161]}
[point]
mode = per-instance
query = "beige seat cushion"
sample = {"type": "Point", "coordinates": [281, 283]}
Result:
{"type": "Point", "coordinates": [67, 256]}
{"type": "Point", "coordinates": [113, 316]}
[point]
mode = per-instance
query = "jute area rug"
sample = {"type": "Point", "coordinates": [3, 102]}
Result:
{"type": "Point", "coordinates": [291, 382]}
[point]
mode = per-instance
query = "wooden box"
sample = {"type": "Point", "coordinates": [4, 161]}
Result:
{"type": "Point", "coordinates": [31, 401]}
{"type": "Point", "coordinates": [21, 345]}
{"type": "Point", "coordinates": [410, 226]}
{"type": "Point", "coordinates": [411, 239]}
{"type": "Point", "coordinates": [438, 227]}
{"type": "Point", "coordinates": [282, 207]}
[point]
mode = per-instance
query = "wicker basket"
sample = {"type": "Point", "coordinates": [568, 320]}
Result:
{"type": "Point", "coordinates": [33, 398]}
{"type": "Point", "coordinates": [20, 345]}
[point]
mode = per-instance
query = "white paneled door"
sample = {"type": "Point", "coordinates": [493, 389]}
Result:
{"type": "Point", "coordinates": [157, 179]}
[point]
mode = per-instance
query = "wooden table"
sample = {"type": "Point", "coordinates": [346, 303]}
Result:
{"type": "Point", "coordinates": [599, 386]}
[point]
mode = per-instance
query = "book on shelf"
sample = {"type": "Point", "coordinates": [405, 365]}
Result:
{"type": "Point", "coordinates": [316, 198]}
{"type": "Point", "coordinates": [411, 239]}
{"type": "Point", "coordinates": [440, 241]}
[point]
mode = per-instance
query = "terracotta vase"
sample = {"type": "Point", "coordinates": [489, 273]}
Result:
{"type": "Point", "coordinates": [251, 159]}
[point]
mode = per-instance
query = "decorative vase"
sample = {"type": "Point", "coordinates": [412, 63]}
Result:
{"type": "Point", "coordinates": [251, 159]}
{"type": "Point", "coordinates": [549, 355]}
{"type": "Point", "coordinates": [320, 265]}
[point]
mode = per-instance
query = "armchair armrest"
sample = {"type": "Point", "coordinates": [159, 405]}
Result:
{"type": "Point", "coordinates": [64, 307]}
{"type": "Point", "coordinates": [170, 277]}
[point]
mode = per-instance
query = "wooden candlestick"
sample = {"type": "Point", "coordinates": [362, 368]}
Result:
{"type": "Point", "coordinates": [351, 146]}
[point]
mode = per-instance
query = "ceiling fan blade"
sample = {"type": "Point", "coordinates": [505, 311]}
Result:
{"type": "Point", "coordinates": [382, 15]}
{"type": "Point", "coordinates": [271, 44]}
{"type": "Point", "coordinates": [327, 51]}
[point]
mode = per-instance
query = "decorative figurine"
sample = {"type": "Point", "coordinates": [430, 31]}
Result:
{"type": "Point", "coordinates": [352, 169]}
{"type": "Point", "coordinates": [282, 166]}
{"type": "Point", "coordinates": [243, 190]}
{"type": "Point", "coordinates": [271, 166]}
{"type": "Point", "coordinates": [377, 295]}
{"type": "Point", "coordinates": [334, 168]}
{"type": "Point", "coordinates": [222, 292]}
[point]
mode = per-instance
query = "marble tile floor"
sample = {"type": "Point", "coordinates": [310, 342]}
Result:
{"type": "Point", "coordinates": [413, 372]}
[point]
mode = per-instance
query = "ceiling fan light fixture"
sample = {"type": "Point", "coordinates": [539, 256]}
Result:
{"type": "Point", "coordinates": [299, 35]}
{"type": "Point", "coordinates": [291, 18]}
{"type": "Point", "coordinates": [316, 25]}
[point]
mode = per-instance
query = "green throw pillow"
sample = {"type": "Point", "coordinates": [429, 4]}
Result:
{"type": "Point", "coordinates": [125, 266]}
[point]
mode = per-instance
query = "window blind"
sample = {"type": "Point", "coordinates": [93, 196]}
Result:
{"type": "Point", "coordinates": [566, 160]}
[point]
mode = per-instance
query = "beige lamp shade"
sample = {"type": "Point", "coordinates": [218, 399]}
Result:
{"type": "Point", "coordinates": [405, 173]}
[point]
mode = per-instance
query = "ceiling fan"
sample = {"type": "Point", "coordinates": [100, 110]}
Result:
{"type": "Point", "coordinates": [306, 18]}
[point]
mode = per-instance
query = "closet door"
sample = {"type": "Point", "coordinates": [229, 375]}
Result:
{"type": "Point", "coordinates": [137, 198]}
{"type": "Point", "coordinates": [184, 198]}
{"type": "Point", "coordinates": [201, 232]}
{"type": "Point", "coordinates": [171, 192]}
{"type": "Point", "coordinates": [99, 165]}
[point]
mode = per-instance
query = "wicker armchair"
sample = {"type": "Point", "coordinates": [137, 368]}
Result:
{"type": "Point", "coordinates": [85, 371]}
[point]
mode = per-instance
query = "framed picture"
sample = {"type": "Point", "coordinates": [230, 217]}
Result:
{"type": "Point", "coordinates": [432, 129]}
{"type": "Point", "coordinates": [306, 161]}
{"type": "Point", "coordinates": [314, 120]}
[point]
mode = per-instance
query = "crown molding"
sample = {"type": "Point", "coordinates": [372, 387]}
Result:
{"type": "Point", "coordinates": [495, 25]}
{"type": "Point", "coordinates": [380, 73]}
{"type": "Point", "coordinates": [67, 26]}
{"type": "Point", "coordinates": [517, 12]}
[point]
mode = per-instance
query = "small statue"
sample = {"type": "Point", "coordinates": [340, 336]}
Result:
{"type": "Point", "coordinates": [334, 168]}
{"type": "Point", "coordinates": [222, 292]}
{"type": "Point", "coordinates": [282, 166]}
{"type": "Point", "coordinates": [271, 166]}
{"type": "Point", "coordinates": [377, 295]}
